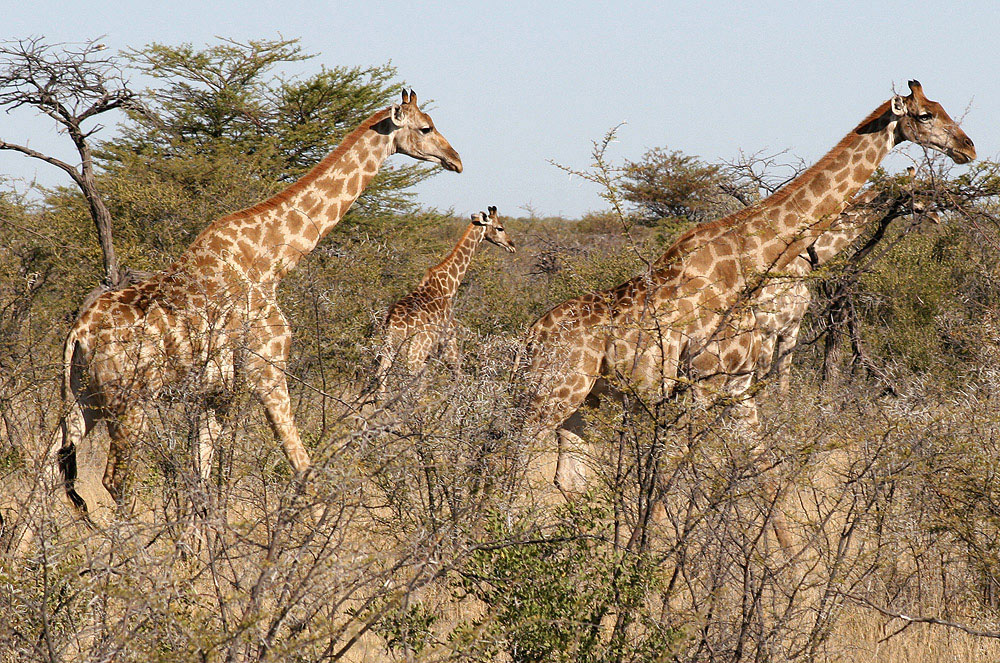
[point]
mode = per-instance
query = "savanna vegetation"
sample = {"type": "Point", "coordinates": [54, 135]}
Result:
{"type": "Point", "coordinates": [416, 535]}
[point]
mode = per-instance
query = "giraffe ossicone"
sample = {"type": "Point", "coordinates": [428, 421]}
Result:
{"type": "Point", "coordinates": [211, 317]}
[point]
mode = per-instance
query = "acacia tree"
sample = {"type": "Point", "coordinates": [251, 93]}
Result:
{"type": "Point", "coordinates": [956, 254]}
{"type": "Point", "coordinates": [225, 109]}
{"type": "Point", "coordinates": [72, 84]}
{"type": "Point", "coordinates": [668, 184]}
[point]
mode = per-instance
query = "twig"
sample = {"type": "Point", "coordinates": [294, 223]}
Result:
{"type": "Point", "coordinates": [919, 619]}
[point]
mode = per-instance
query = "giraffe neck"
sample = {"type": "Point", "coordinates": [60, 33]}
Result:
{"type": "Point", "coordinates": [262, 243]}
{"type": "Point", "coordinates": [773, 232]}
{"type": "Point", "coordinates": [847, 229]}
{"type": "Point", "coordinates": [803, 210]}
{"type": "Point", "coordinates": [445, 277]}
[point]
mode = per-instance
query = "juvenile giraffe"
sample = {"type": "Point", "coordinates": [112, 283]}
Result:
{"type": "Point", "coordinates": [783, 302]}
{"type": "Point", "coordinates": [691, 316]}
{"type": "Point", "coordinates": [423, 319]}
{"type": "Point", "coordinates": [211, 317]}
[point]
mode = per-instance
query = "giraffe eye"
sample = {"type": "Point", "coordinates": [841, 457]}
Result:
{"type": "Point", "coordinates": [426, 130]}
{"type": "Point", "coordinates": [925, 117]}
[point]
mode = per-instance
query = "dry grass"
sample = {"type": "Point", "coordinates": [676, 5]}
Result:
{"type": "Point", "coordinates": [428, 550]}
{"type": "Point", "coordinates": [863, 637]}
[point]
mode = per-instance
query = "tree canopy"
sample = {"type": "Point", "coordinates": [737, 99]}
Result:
{"type": "Point", "coordinates": [668, 184]}
{"type": "Point", "coordinates": [220, 129]}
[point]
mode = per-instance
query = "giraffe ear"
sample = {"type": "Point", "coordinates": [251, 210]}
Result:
{"type": "Point", "coordinates": [479, 218]}
{"type": "Point", "coordinates": [397, 115]}
{"type": "Point", "coordinates": [413, 97]}
{"type": "Point", "coordinates": [897, 105]}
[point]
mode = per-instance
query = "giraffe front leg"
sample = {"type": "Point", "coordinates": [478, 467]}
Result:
{"type": "Point", "coordinates": [266, 359]}
{"type": "Point", "coordinates": [272, 391]}
{"type": "Point", "coordinates": [273, 394]}
{"type": "Point", "coordinates": [558, 463]}
{"type": "Point", "coordinates": [386, 358]}
{"type": "Point", "coordinates": [209, 434]}
{"type": "Point", "coordinates": [786, 346]}
{"type": "Point", "coordinates": [450, 353]}
{"type": "Point", "coordinates": [767, 345]}
{"type": "Point", "coordinates": [571, 468]}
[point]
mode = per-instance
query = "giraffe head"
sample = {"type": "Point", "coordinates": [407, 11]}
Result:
{"type": "Point", "coordinates": [495, 234]}
{"type": "Point", "coordinates": [415, 135]}
{"type": "Point", "coordinates": [926, 123]}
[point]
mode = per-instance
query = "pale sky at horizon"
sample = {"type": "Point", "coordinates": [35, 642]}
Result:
{"type": "Point", "coordinates": [516, 84]}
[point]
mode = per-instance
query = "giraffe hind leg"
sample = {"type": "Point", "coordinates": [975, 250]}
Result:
{"type": "Point", "coordinates": [125, 433]}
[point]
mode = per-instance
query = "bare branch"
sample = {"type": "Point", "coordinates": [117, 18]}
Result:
{"type": "Point", "coordinates": [916, 619]}
{"type": "Point", "coordinates": [43, 157]}
{"type": "Point", "coordinates": [71, 83]}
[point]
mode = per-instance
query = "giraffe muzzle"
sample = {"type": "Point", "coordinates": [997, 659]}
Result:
{"type": "Point", "coordinates": [452, 162]}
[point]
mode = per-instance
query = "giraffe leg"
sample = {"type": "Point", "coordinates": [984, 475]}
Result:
{"type": "Point", "coordinates": [125, 432]}
{"type": "Point", "coordinates": [382, 368]}
{"type": "Point", "coordinates": [746, 412]}
{"type": "Point", "coordinates": [450, 354]}
{"type": "Point", "coordinates": [559, 465]}
{"type": "Point", "coordinates": [767, 345]}
{"type": "Point", "coordinates": [733, 380]}
{"type": "Point", "coordinates": [786, 346]}
{"type": "Point", "coordinates": [272, 391]}
{"type": "Point", "coordinates": [567, 350]}
{"type": "Point", "coordinates": [265, 369]}
{"type": "Point", "coordinates": [417, 349]}
{"type": "Point", "coordinates": [209, 433]}
{"type": "Point", "coordinates": [571, 469]}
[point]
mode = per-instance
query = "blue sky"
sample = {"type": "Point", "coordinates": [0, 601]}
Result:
{"type": "Point", "coordinates": [516, 84]}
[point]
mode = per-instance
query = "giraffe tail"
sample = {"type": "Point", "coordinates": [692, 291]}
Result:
{"type": "Point", "coordinates": [60, 462]}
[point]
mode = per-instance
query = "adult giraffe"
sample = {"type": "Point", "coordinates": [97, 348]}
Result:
{"type": "Point", "coordinates": [423, 319]}
{"type": "Point", "coordinates": [691, 315]}
{"type": "Point", "coordinates": [212, 315]}
{"type": "Point", "coordinates": [783, 302]}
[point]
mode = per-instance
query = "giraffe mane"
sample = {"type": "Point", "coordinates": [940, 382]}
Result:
{"type": "Point", "coordinates": [313, 173]}
{"type": "Point", "coordinates": [782, 194]}
{"type": "Point", "coordinates": [461, 241]}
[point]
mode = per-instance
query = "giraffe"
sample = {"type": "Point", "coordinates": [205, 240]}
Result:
{"type": "Point", "coordinates": [423, 319]}
{"type": "Point", "coordinates": [783, 302]}
{"type": "Point", "coordinates": [211, 318]}
{"type": "Point", "coordinates": [690, 317]}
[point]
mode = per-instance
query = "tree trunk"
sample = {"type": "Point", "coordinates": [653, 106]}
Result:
{"type": "Point", "coordinates": [836, 319]}
{"type": "Point", "coordinates": [102, 222]}
{"type": "Point", "coordinates": [98, 211]}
